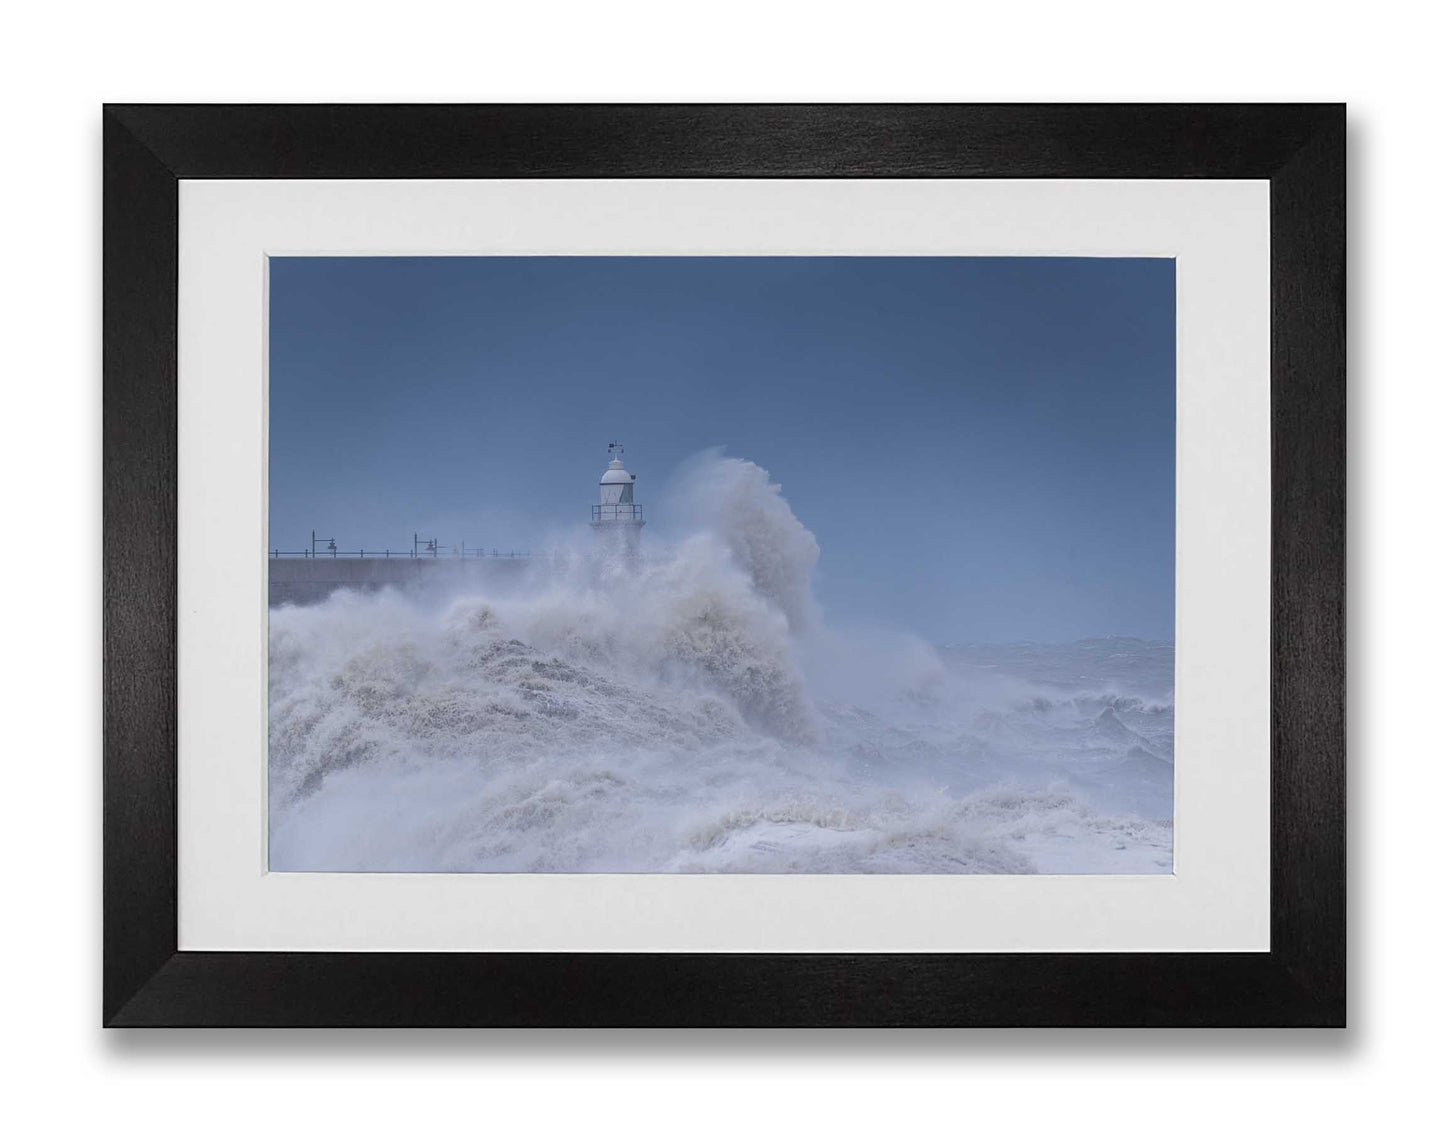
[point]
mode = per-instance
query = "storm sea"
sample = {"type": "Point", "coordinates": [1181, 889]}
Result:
{"type": "Point", "coordinates": [693, 709]}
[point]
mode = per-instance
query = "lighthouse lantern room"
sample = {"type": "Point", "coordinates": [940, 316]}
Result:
{"type": "Point", "coordinates": [618, 514]}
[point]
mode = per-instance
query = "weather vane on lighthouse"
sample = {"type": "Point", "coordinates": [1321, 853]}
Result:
{"type": "Point", "coordinates": [618, 515]}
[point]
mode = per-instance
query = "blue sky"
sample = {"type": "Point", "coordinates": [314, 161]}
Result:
{"type": "Point", "coordinates": [984, 447]}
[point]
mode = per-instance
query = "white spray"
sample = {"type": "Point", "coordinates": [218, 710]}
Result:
{"type": "Point", "coordinates": [692, 710]}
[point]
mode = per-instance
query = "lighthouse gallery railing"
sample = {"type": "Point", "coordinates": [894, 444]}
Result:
{"type": "Point", "coordinates": [616, 512]}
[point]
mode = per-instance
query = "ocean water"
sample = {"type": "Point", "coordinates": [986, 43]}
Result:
{"type": "Point", "coordinates": [694, 710]}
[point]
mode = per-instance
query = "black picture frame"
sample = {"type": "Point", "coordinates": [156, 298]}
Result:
{"type": "Point", "coordinates": [1299, 149]}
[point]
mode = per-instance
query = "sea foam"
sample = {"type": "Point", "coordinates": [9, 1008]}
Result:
{"type": "Point", "coordinates": [693, 709]}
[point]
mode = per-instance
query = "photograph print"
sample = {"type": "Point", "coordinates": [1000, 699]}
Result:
{"type": "Point", "coordinates": [702, 565]}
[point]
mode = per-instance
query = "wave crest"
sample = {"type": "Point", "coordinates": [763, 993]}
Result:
{"type": "Point", "coordinates": [689, 710]}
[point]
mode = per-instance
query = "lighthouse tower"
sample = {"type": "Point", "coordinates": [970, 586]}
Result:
{"type": "Point", "coordinates": [618, 517]}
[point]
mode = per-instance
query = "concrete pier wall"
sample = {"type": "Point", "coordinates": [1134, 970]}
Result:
{"type": "Point", "coordinates": [302, 581]}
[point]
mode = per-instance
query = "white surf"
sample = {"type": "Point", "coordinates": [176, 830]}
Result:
{"type": "Point", "coordinates": [694, 710]}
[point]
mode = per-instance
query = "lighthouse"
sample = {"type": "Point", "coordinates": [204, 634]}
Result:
{"type": "Point", "coordinates": [618, 517]}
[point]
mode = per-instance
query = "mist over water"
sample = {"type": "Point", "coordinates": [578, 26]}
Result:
{"type": "Point", "coordinates": [695, 710]}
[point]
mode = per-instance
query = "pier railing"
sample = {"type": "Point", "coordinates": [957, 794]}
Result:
{"type": "Point", "coordinates": [437, 553]}
{"type": "Point", "coordinates": [422, 548]}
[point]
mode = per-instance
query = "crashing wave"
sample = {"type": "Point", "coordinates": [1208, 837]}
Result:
{"type": "Point", "coordinates": [689, 711]}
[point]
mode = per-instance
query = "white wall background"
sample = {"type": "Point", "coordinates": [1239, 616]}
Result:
{"type": "Point", "coordinates": [61, 62]}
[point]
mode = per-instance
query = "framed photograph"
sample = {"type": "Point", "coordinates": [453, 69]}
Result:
{"type": "Point", "coordinates": [724, 565]}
